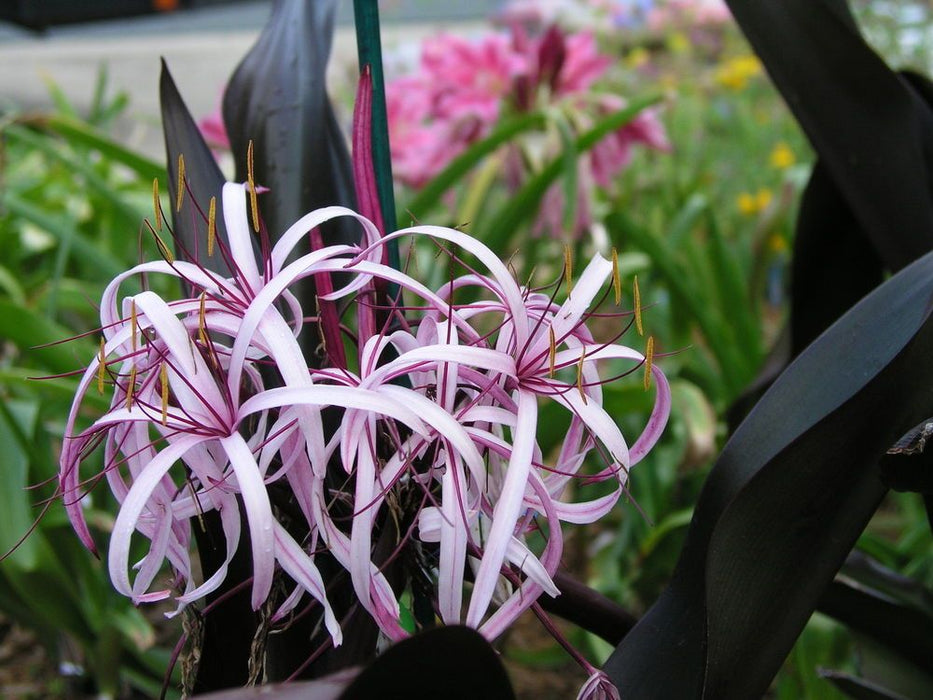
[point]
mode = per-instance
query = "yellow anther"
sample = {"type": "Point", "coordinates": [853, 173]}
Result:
{"type": "Point", "coordinates": [616, 278]}
{"type": "Point", "coordinates": [649, 359]}
{"type": "Point", "coordinates": [317, 310]}
{"type": "Point", "coordinates": [130, 387]}
{"type": "Point", "coordinates": [251, 181]}
{"type": "Point", "coordinates": [580, 375]}
{"type": "Point", "coordinates": [134, 324]}
{"type": "Point", "coordinates": [211, 226]}
{"type": "Point", "coordinates": [163, 249]}
{"type": "Point", "coordinates": [197, 504]}
{"type": "Point", "coordinates": [552, 352]}
{"type": "Point", "coordinates": [163, 376]}
{"type": "Point", "coordinates": [101, 367]}
{"type": "Point", "coordinates": [638, 326]}
{"type": "Point", "coordinates": [180, 194]}
{"type": "Point", "coordinates": [156, 204]}
{"type": "Point", "coordinates": [202, 326]}
{"type": "Point", "coordinates": [568, 267]}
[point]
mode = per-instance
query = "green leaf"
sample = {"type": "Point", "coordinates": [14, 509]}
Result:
{"type": "Point", "coordinates": [84, 135]}
{"type": "Point", "coordinates": [93, 257]}
{"type": "Point", "coordinates": [17, 428]}
{"type": "Point", "coordinates": [79, 167]}
{"type": "Point", "coordinates": [687, 294]}
{"type": "Point", "coordinates": [732, 286]}
{"type": "Point", "coordinates": [27, 330]}
{"type": "Point", "coordinates": [429, 196]}
{"type": "Point", "coordinates": [524, 203]}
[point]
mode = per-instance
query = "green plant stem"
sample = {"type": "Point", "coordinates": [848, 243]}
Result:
{"type": "Point", "coordinates": [369, 48]}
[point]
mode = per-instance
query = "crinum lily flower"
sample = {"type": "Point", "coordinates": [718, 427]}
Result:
{"type": "Point", "coordinates": [436, 441]}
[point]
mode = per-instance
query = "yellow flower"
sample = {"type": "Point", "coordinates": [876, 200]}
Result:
{"type": "Point", "coordinates": [678, 43]}
{"type": "Point", "coordinates": [750, 204]}
{"type": "Point", "coordinates": [781, 156]}
{"type": "Point", "coordinates": [777, 244]}
{"type": "Point", "coordinates": [736, 72]}
{"type": "Point", "coordinates": [763, 198]}
{"type": "Point", "coordinates": [638, 57]}
{"type": "Point", "coordinates": [746, 203]}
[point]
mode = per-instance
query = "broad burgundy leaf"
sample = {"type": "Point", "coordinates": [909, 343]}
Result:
{"type": "Point", "coordinates": [202, 175]}
{"type": "Point", "coordinates": [883, 606]}
{"type": "Point", "coordinates": [786, 501]}
{"type": "Point", "coordinates": [865, 122]}
{"type": "Point", "coordinates": [277, 99]}
{"type": "Point", "coordinates": [327, 688]}
{"type": "Point", "coordinates": [451, 662]}
{"type": "Point", "coordinates": [869, 205]}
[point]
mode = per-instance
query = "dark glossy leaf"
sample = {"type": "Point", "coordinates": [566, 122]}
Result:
{"type": "Point", "coordinates": [229, 628]}
{"type": "Point", "coordinates": [786, 501]}
{"type": "Point", "coordinates": [277, 98]}
{"type": "Point", "coordinates": [589, 609]}
{"type": "Point", "coordinates": [327, 688]}
{"type": "Point", "coordinates": [869, 205]}
{"type": "Point", "coordinates": [859, 688]}
{"type": "Point", "coordinates": [866, 123]}
{"type": "Point", "coordinates": [835, 262]}
{"type": "Point", "coordinates": [203, 177]}
{"type": "Point", "coordinates": [455, 663]}
{"type": "Point", "coordinates": [227, 635]}
{"type": "Point", "coordinates": [883, 605]}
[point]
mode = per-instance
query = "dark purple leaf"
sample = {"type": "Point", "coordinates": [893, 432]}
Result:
{"type": "Point", "coordinates": [859, 688]}
{"type": "Point", "coordinates": [869, 205]}
{"type": "Point", "coordinates": [786, 501]}
{"type": "Point", "coordinates": [454, 663]}
{"type": "Point", "coordinates": [883, 606]}
{"type": "Point", "coordinates": [277, 98]}
{"type": "Point", "coordinates": [327, 688]}
{"type": "Point", "coordinates": [182, 137]}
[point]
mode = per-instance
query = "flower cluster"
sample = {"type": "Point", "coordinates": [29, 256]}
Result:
{"type": "Point", "coordinates": [656, 15]}
{"type": "Point", "coordinates": [464, 86]}
{"type": "Point", "coordinates": [435, 435]}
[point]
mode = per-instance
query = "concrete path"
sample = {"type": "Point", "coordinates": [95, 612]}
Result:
{"type": "Point", "coordinates": [202, 47]}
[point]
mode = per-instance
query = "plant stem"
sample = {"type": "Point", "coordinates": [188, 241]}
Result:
{"type": "Point", "coordinates": [369, 48]}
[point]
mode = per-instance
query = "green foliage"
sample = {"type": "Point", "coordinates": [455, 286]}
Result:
{"type": "Point", "coordinates": [71, 208]}
{"type": "Point", "coordinates": [706, 228]}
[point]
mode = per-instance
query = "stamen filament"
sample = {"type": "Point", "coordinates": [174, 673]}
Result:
{"type": "Point", "coordinates": [649, 359]}
{"type": "Point", "coordinates": [251, 181]}
{"type": "Point", "coordinates": [552, 351]}
{"type": "Point", "coordinates": [638, 325]}
{"type": "Point", "coordinates": [130, 387]}
{"type": "Point", "coordinates": [202, 332]}
{"type": "Point", "coordinates": [163, 249]}
{"type": "Point", "coordinates": [580, 375]}
{"type": "Point", "coordinates": [180, 193]}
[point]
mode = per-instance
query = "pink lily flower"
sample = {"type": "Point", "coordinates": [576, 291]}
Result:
{"type": "Point", "coordinates": [213, 403]}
